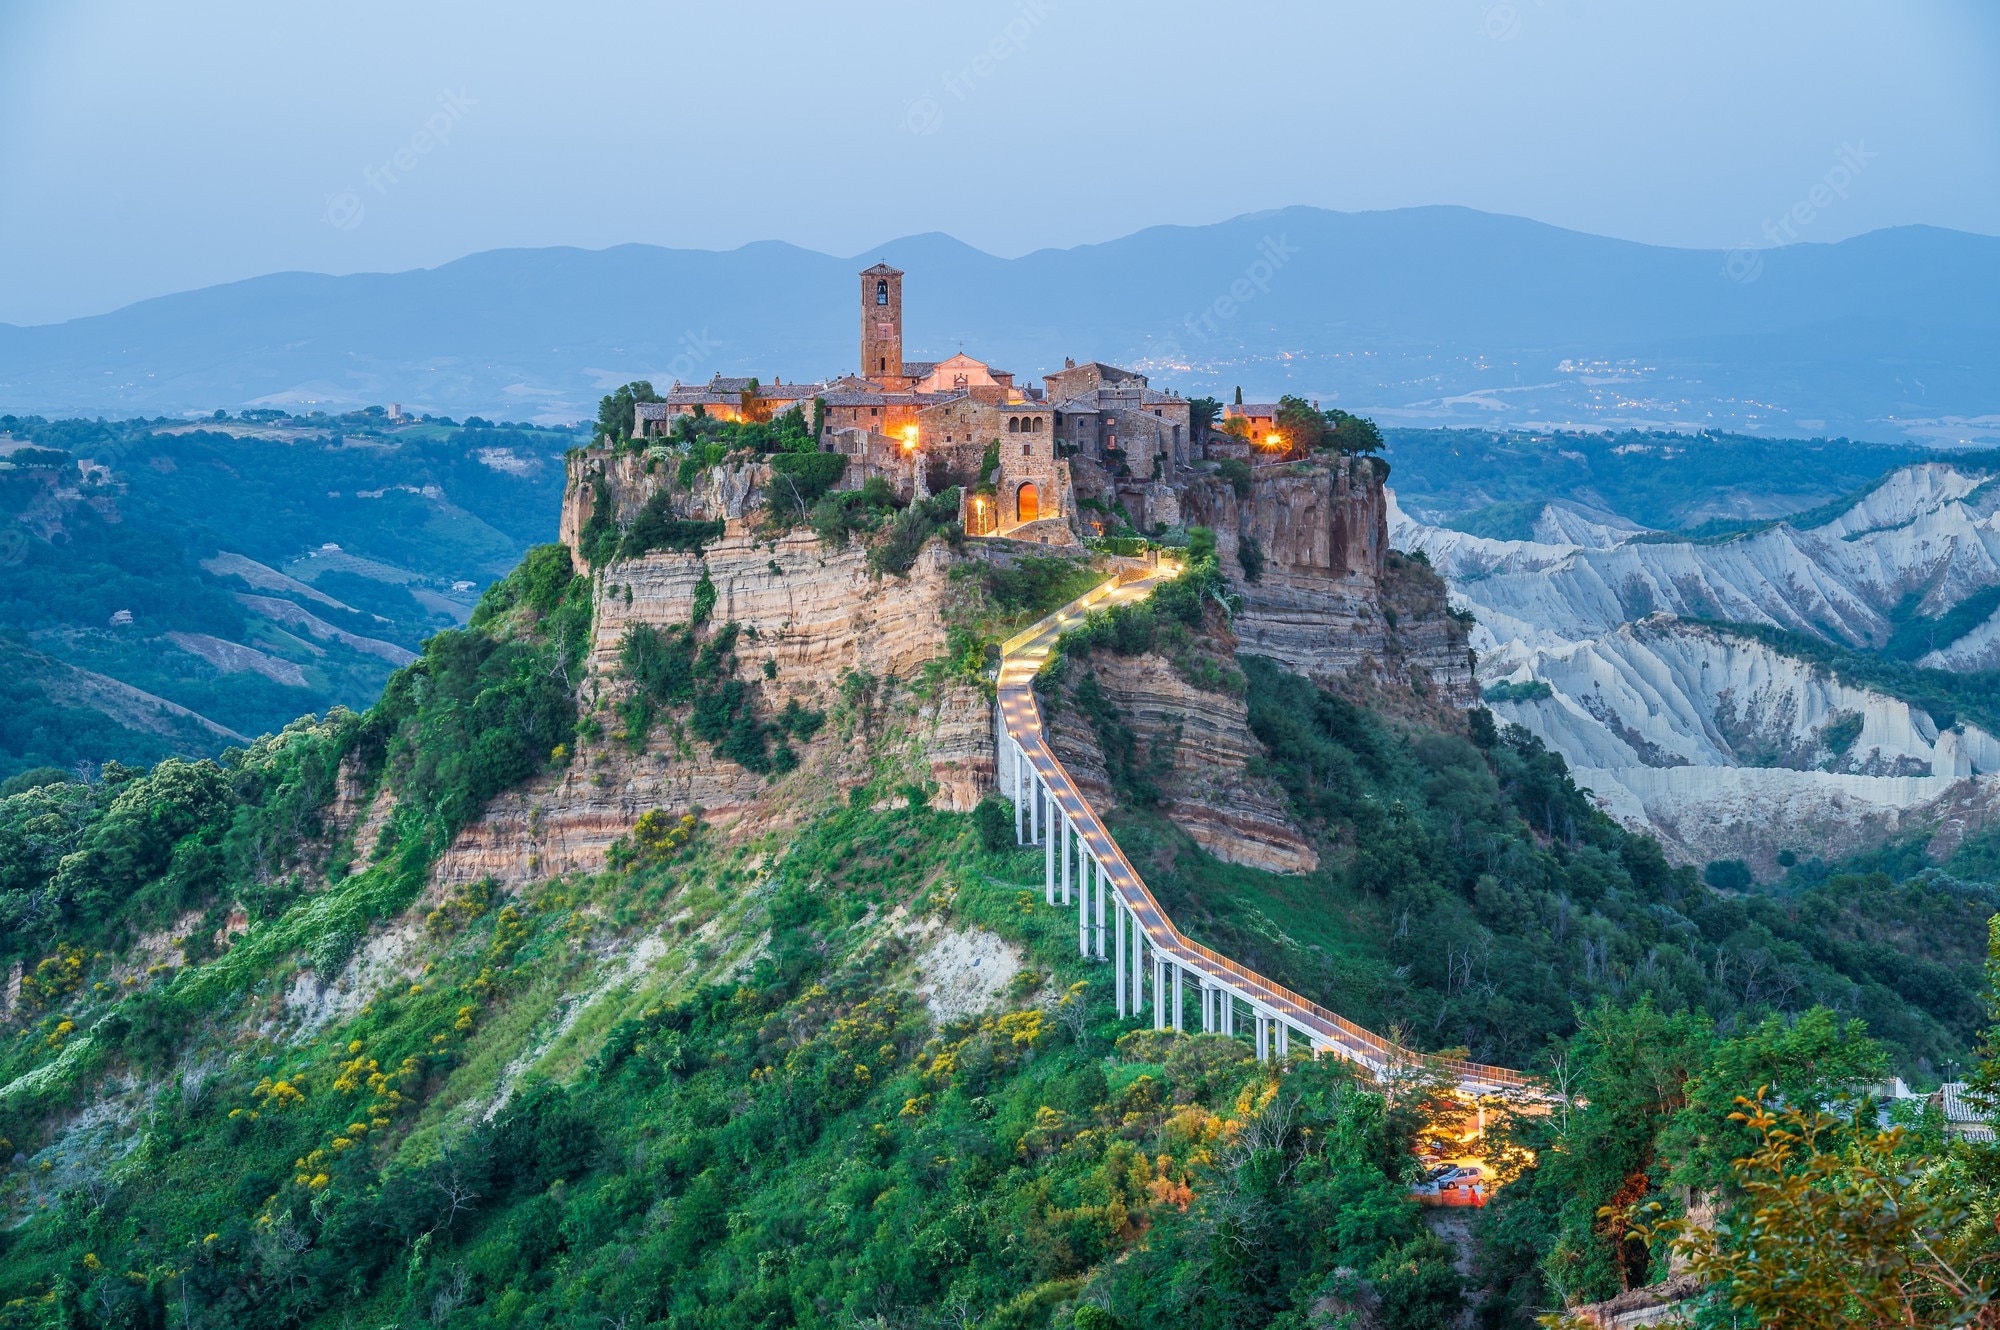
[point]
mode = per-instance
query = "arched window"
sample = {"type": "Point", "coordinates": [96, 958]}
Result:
{"type": "Point", "coordinates": [1013, 424]}
{"type": "Point", "coordinates": [882, 292]}
{"type": "Point", "coordinates": [1028, 502]}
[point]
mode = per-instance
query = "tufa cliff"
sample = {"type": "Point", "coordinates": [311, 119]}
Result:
{"type": "Point", "coordinates": [1323, 594]}
{"type": "Point", "coordinates": [818, 630]}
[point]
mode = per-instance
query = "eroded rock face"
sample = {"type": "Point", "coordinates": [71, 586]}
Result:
{"type": "Point", "coordinates": [1196, 746]}
{"type": "Point", "coordinates": [816, 612]}
{"type": "Point", "coordinates": [1331, 600]}
{"type": "Point", "coordinates": [818, 617]}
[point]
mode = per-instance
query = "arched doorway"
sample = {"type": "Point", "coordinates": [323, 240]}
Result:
{"type": "Point", "coordinates": [1028, 502]}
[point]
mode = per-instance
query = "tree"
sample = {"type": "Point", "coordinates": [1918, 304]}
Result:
{"type": "Point", "coordinates": [1202, 414]}
{"type": "Point", "coordinates": [1984, 1081]}
{"type": "Point", "coordinates": [614, 413]}
{"type": "Point", "coordinates": [1352, 434]}
{"type": "Point", "coordinates": [994, 820]}
{"type": "Point", "coordinates": [1842, 1226]}
{"type": "Point", "coordinates": [1301, 426]}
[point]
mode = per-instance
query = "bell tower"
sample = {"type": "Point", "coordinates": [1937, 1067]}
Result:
{"type": "Point", "coordinates": [882, 325]}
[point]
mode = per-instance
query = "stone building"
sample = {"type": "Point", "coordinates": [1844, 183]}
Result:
{"type": "Point", "coordinates": [1115, 418]}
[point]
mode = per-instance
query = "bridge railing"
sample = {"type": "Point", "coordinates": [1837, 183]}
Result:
{"type": "Point", "coordinates": [1315, 1019]}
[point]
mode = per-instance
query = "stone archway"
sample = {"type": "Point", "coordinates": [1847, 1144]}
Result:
{"type": "Point", "coordinates": [1027, 503]}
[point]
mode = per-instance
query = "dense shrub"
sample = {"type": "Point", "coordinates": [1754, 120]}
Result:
{"type": "Point", "coordinates": [656, 528]}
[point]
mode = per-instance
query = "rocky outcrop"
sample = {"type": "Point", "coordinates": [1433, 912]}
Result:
{"type": "Point", "coordinates": [815, 612]}
{"type": "Point", "coordinates": [1195, 745]}
{"type": "Point", "coordinates": [730, 492]}
{"type": "Point", "coordinates": [1323, 593]}
{"type": "Point", "coordinates": [815, 625]}
{"type": "Point", "coordinates": [567, 821]}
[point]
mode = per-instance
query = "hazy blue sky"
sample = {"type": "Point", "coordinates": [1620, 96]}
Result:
{"type": "Point", "coordinates": [147, 148]}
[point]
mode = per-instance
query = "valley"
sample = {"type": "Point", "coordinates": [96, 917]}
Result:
{"type": "Point", "coordinates": [1801, 687]}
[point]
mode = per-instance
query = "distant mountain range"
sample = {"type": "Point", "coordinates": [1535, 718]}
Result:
{"type": "Point", "coordinates": [1421, 316]}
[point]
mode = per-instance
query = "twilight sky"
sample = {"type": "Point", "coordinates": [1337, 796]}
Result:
{"type": "Point", "coordinates": [149, 148]}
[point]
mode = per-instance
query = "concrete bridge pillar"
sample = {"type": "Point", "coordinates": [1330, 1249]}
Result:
{"type": "Point", "coordinates": [1020, 799]}
{"type": "Point", "coordinates": [1048, 839]}
{"type": "Point", "coordinates": [1097, 929]}
{"type": "Point", "coordinates": [1159, 990]}
{"type": "Point", "coordinates": [1118, 965]}
{"type": "Point", "coordinates": [1284, 1040]}
{"type": "Point", "coordinates": [1138, 964]}
{"type": "Point", "coordinates": [1179, 986]}
{"type": "Point", "coordinates": [1083, 904]}
{"type": "Point", "coordinates": [1263, 1036]}
{"type": "Point", "coordinates": [1068, 852]}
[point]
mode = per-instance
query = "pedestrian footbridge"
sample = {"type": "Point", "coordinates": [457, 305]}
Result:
{"type": "Point", "coordinates": [1117, 919]}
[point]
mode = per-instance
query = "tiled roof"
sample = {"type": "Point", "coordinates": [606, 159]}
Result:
{"type": "Point", "coordinates": [1103, 370]}
{"type": "Point", "coordinates": [1958, 1108]}
{"type": "Point", "coordinates": [884, 397]}
{"type": "Point", "coordinates": [881, 270]}
{"type": "Point", "coordinates": [919, 369]}
{"type": "Point", "coordinates": [652, 410]}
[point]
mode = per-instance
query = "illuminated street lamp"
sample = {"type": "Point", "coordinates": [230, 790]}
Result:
{"type": "Point", "coordinates": [909, 438]}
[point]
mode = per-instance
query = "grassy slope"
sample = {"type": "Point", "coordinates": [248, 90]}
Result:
{"type": "Point", "coordinates": [724, 1108]}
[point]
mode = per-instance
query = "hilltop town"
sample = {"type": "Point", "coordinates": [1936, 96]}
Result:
{"type": "Point", "coordinates": [1094, 447]}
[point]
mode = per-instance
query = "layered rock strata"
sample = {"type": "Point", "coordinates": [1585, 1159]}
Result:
{"type": "Point", "coordinates": [1323, 593]}
{"type": "Point", "coordinates": [1196, 746]}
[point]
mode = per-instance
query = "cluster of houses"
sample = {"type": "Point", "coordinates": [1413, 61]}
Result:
{"type": "Point", "coordinates": [925, 424]}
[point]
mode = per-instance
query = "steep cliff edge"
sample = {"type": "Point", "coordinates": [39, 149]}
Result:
{"type": "Point", "coordinates": [815, 629]}
{"type": "Point", "coordinates": [1193, 747]}
{"type": "Point", "coordinates": [1323, 593]}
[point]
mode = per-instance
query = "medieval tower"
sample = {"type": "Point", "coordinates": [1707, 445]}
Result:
{"type": "Point", "coordinates": [882, 325]}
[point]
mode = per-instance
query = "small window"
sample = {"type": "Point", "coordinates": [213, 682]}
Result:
{"type": "Point", "coordinates": [1024, 449]}
{"type": "Point", "coordinates": [882, 292]}
{"type": "Point", "coordinates": [874, 410]}
{"type": "Point", "coordinates": [885, 365]}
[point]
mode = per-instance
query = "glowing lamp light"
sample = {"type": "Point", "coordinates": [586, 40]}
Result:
{"type": "Point", "coordinates": [1274, 440]}
{"type": "Point", "coordinates": [909, 438]}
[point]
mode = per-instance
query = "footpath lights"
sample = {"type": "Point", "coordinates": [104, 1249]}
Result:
{"type": "Point", "coordinates": [1045, 797]}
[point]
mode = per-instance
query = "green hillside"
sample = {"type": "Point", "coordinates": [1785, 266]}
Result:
{"type": "Point", "coordinates": [702, 1089]}
{"type": "Point", "coordinates": [246, 569]}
